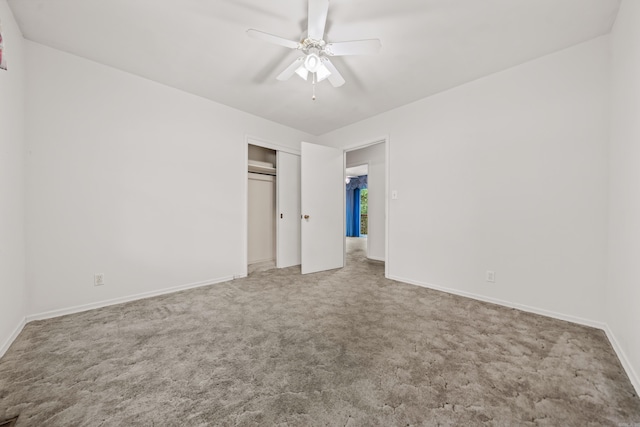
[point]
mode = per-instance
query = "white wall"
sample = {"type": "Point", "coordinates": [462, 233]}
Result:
{"type": "Point", "coordinates": [506, 173]}
{"type": "Point", "coordinates": [132, 179]}
{"type": "Point", "coordinates": [13, 291]}
{"type": "Point", "coordinates": [623, 288]}
{"type": "Point", "coordinates": [374, 155]}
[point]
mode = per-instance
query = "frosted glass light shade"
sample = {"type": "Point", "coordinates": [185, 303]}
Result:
{"type": "Point", "coordinates": [322, 73]}
{"type": "Point", "coordinates": [312, 62]}
{"type": "Point", "coordinates": [302, 72]}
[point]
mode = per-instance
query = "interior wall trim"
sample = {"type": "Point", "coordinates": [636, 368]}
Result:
{"type": "Point", "coordinates": [135, 297]}
{"type": "Point", "coordinates": [260, 142]}
{"type": "Point", "coordinates": [367, 143]}
{"type": "Point", "coordinates": [7, 343]}
{"type": "Point", "coordinates": [624, 360]}
{"type": "Point", "coordinates": [529, 309]}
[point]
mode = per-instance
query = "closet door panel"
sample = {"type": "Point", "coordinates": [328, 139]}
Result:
{"type": "Point", "coordinates": [288, 212]}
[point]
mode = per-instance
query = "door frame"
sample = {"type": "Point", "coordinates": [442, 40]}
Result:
{"type": "Point", "coordinates": [260, 142]}
{"type": "Point", "coordinates": [364, 144]}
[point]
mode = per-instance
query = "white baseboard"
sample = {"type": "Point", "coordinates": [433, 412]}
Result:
{"type": "Point", "coordinates": [529, 309]}
{"type": "Point", "coordinates": [375, 258]}
{"type": "Point", "coordinates": [12, 337]}
{"type": "Point", "coordinates": [99, 304]}
{"type": "Point", "coordinates": [631, 373]}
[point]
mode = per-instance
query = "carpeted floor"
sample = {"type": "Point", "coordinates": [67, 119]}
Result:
{"type": "Point", "coordinates": [339, 348]}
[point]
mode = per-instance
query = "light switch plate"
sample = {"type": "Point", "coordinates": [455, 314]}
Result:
{"type": "Point", "coordinates": [98, 279]}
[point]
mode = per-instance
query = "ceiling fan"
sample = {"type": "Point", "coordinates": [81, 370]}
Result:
{"type": "Point", "coordinates": [316, 51]}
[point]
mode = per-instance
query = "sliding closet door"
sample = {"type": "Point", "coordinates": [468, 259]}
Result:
{"type": "Point", "coordinates": [288, 212]}
{"type": "Point", "coordinates": [322, 197]}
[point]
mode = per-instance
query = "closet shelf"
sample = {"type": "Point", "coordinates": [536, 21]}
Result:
{"type": "Point", "coordinates": [261, 167]}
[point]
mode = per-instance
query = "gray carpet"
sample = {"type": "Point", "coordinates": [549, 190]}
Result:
{"type": "Point", "coordinates": [339, 348]}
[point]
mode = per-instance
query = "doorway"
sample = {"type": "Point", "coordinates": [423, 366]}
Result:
{"type": "Point", "coordinates": [367, 165]}
{"type": "Point", "coordinates": [356, 203]}
{"type": "Point", "coordinates": [261, 208]}
{"type": "Point", "coordinates": [272, 206]}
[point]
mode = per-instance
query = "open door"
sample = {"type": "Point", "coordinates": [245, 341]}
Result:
{"type": "Point", "coordinates": [322, 201]}
{"type": "Point", "coordinates": [288, 213]}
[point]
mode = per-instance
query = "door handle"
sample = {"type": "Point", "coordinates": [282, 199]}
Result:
{"type": "Point", "coordinates": [306, 217]}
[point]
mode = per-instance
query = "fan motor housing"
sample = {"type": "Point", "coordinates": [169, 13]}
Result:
{"type": "Point", "coordinates": [308, 44]}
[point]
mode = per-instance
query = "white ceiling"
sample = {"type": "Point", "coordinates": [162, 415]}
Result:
{"type": "Point", "coordinates": [200, 46]}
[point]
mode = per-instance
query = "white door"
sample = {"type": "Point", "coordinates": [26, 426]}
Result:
{"type": "Point", "coordinates": [288, 212]}
{"type": "Point", "coordinates": [322, 199]}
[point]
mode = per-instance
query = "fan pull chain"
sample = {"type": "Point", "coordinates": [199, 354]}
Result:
{"type": "Point", "coordinates": [313, 85]}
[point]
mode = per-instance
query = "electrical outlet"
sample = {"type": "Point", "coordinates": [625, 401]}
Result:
{"type": "Point", "coordinates": [491, 276]}
{"type": "Point", "coordinates": [98, 279]}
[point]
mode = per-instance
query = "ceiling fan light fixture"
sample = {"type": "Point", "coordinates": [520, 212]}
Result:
{"type": "Point", "coordinates": [315, 51]}
{"type": "Point", "coordinates": [302, 72]}
{"type": "Point", "coordinates": [312, 62]}
{"type": "Point", "coordinates": [322, 73]}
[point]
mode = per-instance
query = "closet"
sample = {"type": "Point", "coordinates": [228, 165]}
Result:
{"type": "Point", "coordinates": [261, 225]}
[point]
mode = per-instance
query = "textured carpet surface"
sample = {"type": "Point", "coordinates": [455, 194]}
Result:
{"type": "Point", "coordinates": [339, 348]}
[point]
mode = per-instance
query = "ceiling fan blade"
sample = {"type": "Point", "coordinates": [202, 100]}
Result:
{"type": "Point", "coordinates": [273, 39]}
{"type": "Point", "coordinates": [288, 72]}
{"type": "Point", "coordinates": [318, 10]}
{"type": "Point", "coordinates": [335, 78]}
{"type": "Point", "coordinates": [356, 47]}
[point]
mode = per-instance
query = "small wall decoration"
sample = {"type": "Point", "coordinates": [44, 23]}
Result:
{"type": "Point", "coordinates": [3, 61]}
